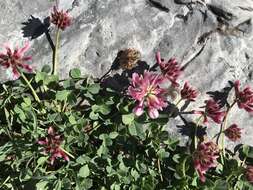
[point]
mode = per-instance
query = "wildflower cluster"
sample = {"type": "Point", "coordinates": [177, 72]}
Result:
{"type": "Point", "coordinates": [188, 93]}
{"type": "Point", "coordinates": [205, 157]}
{"type": "Point", "coordinates": [147, 91]}
{"type": "Point", "coordinates": [52, 146]}
{"type": "Point", "coordinates": [60, 18]}
{"type": "Point", "coordinates": [170, 69]}
{"type": "Point", "coordinates": [244, 98]}
{"type": "Point", "coordinates": [80, 133]}
{"type": "Point", "coordinates": [233, 132]}
{"type": "Point", "coordinates": [213, 111]}
{"type": "Point", "coordinates": [14, 60]}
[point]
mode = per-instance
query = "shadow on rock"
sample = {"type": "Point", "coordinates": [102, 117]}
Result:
{"type": "Point", "coordinates": [120, 82]}
{"type": "Point", "coordinates": [189, 130]}
{"type": "Point", "coordinates": [34, 28]}
{"type": "Point", "coordinates": [222, 96]}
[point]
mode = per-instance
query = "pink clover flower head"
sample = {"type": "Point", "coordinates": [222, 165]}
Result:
{"type": "Point", "coordinates": [205, 157]}
{"type": "Point", "coordinates": [213, 111]}
{"type": "Point", "coordinates": [244, 98]}
{"type": "Point", "coordinates": [13, 60]}
{"type": "Point", "coordinates": [52, 147]}
{"type": "Point", "coordinates": [170, 69]}
{"type": "Point", "coordinates": [188, 93]}
{"type": "Point", "coordinates": [249, 173]}
{"type": "Point", "coordinates": [146, 90]}
{"type": "Point", "coordinates": [60, 18]}
{"type": "Point", "coordinates": [233, 133]}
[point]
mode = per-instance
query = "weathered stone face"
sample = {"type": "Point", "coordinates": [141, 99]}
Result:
{"type": "Point", "coordinates": [102, 27]}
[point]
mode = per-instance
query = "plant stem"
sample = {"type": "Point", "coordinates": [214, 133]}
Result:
{"type": "Point", "coordinates": [30, 86]}
{"type": "Point", "coordinates": [67, 153]}
{"type": "Point", "coordinates": [178, 101]}
{"type": "Point", "coordinates": [244, 160]}
{"type": "Point", "coordinates": [159, 169]}
{"type": "Point", "coordinates": [5, 181]}
{"type": "Point", "coordinates": [223, 128]}
{"type": "Point", "coordinates": [101, 78]}
{"type": "Point", "coordinates": [8, 123]}
{"type": "Point", "coordinates": [55, 55]}
{"type": "Point", "coordinates": [196, 132]}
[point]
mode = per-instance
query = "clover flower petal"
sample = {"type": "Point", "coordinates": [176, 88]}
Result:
{"type": "Point", "coordinates": [60, 18]}
{"type": "Point", "coordinates": [244, 98]}
{"type": "Point", "coordinates": [52, 145]}
{"type": "Point", "coordinates": [170, 69]}
{"type": "Point", "coordinates": [188, 93]}
{"type": "Point", "coordinates": [13, 60]}
{"type": "Point", "coordinates": [233, 133]}
{"type": "Point", "coordinates": [205, 157]}
{"type": "Point", "coordinates": [146, 90]}
{"type": "Point", "coordinates": [213, 111]}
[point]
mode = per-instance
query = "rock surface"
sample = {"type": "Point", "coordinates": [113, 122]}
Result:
{"type": "Point", "coordinates": [102, 27]}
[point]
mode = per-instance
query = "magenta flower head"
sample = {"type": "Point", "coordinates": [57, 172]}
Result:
{"type": "Point", "coordinates": [205, 157]}
{"type": "Point", "coordinates": [13, 60]}
{"type": "Point", "coordinates": [244, 98]}
{"type": "Point", "coordinates": [52, 145]}
{"type": "Point", "coordinates": [249, 174]}
{"type": "Point", "coordinates": [233, 133]}
{"type": "Point", "coordinates": [188, 93]}
{"type": "Point", "coordinates": [170, 69]}
{"type": "Point", "coordinates": [213, 111]}
{"type": "Point", "coordinates": [146, 90]}
{"type": "Point", "coordinates": [60, 18]}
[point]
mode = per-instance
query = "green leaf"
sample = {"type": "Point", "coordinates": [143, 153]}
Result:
{"type": "Point", "coordinates": [103, 150]}
{"type": "Point", "coordinates": [75, 73]}
{"type": "Point", "coordinates": [148, 183]}
{"type": "Point", "coordinates": [221, 185]}
{"type": "Point", "coordinates": [84, 171]}
{"type": "Point", "coordinates": [93, 115]}
{"type": "Point", "coordinates": [27, 101]}
{"type": "Point", "coordinates": [132, 130]}
{"type": "Point", "coordinates": [245, 150]}
{"type": "Point", "coordinates": [104, 109]}
{"type": "Point", "coordinates": [20, 113]}
{"type": "Point", "coordinates": [176, 158]}
{"type": "Point", "coordinates": [51, 78]}
{"type": "Point", "coordinates": [163, 154]}
{"type": "Point", "coordinates": [68, 83]}
{"type": "Point", "coordinates": [82, 159]}
{"type": "Point", "coordinates": [115, 187]}
{"type": "Point", "coordinates": [26, 104]}
{"type": "Point", "coordinates": [128, 119]}
{"type": "Point", "coordinates": [42, 185]}
{"type": "Point", "coordinates": [106, 139]}
{"type": "Point", "coordinates": [40, 76]}
{"type": "Point", "coordinates": [135, 174]}
{"type": "Point", "coordinates": [72, 120]}
{"type": "Point", "coordinates": [113, 135]}
{"type": "Point", "coordinates": [46, 69]}
{"type": "Point", "coordinates": [136, 129]}
{"type": "Point", "coordinates": [42, 160]}
{"type": "Point", "coordinates": [58, 185]}
{"type": "Point", "coordinates": [94, 88]}
{"type": "Point", "coordinates": [62, 95]}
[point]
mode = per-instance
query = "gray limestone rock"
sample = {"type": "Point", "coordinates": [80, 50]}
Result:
{"type": "Point", "coordinates": [103, 27]}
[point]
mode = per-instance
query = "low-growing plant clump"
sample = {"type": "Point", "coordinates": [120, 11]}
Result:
{"type": "Point", "coordinates": [80, 133]}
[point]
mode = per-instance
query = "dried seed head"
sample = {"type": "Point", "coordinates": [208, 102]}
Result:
{"type": "Point", "coordinates": [129, 58]}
